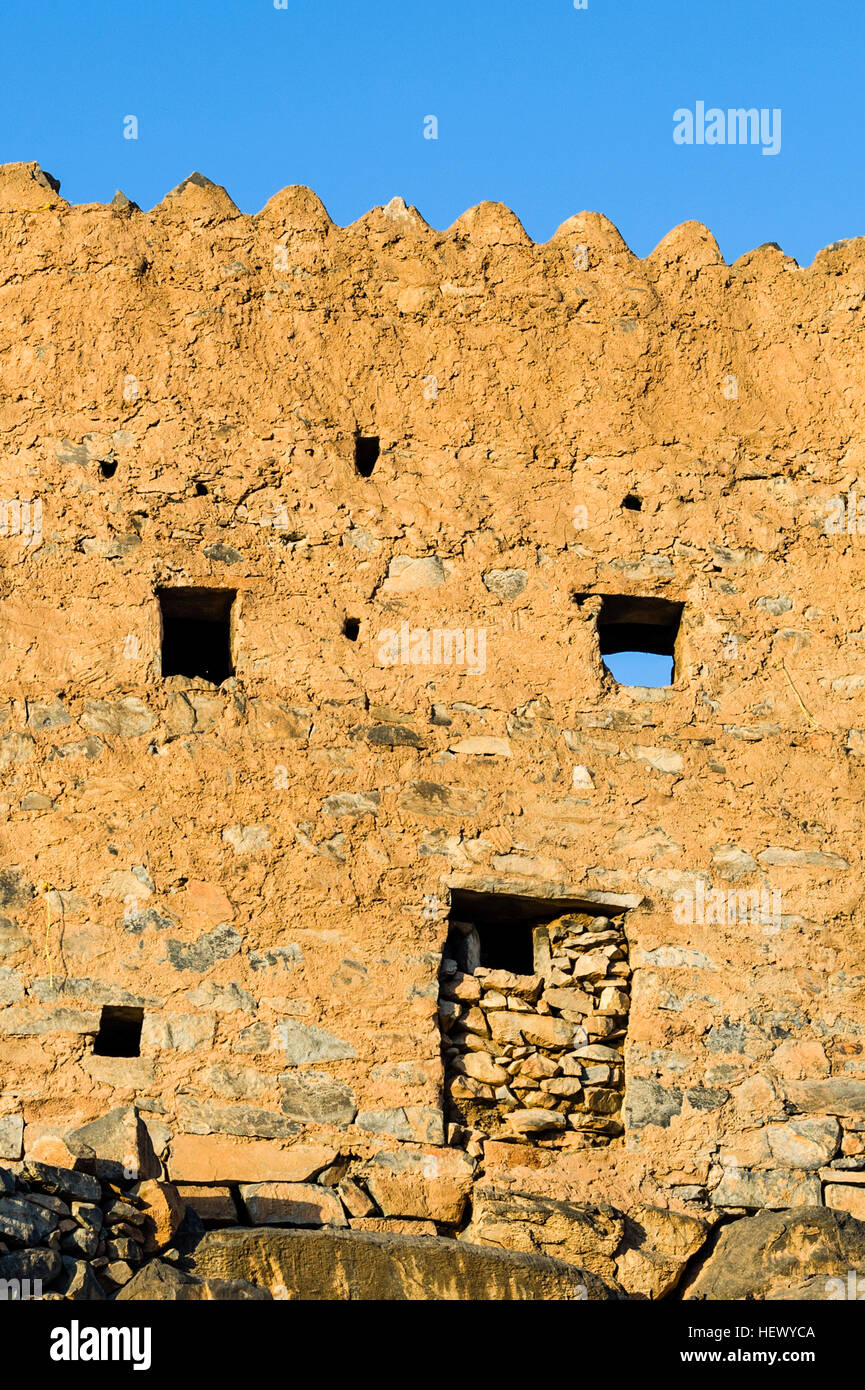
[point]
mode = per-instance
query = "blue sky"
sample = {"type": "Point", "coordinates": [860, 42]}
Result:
{"type": "Point", "coordinates": [540, 105]}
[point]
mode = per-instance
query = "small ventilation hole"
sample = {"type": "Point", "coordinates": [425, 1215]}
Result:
{"type": "Point", "coordinates": [351, 629]}
{"type": "Point", "coordinates": [366, 452]}
{"type": "Point", "coordinates": [119, 1032]}
{"type": "Point", "coordinates": [108, 468]}
{"type": "Point", "coordinates": [633, 503]}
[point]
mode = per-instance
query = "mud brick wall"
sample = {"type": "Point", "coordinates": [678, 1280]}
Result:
{"type": "Point", "coordinates": [263, 868]}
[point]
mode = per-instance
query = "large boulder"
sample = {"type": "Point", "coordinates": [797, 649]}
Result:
{"type": "Point", "coordinates": [585, 1234]}
{"type": "Point", "coordinates": [646, 1252]}
{"type": "Point", "coordinates": [163, 1283]}
{"type": "Point", "coordinates": [804, 1253]}
{"type": "Point", "coordinates": [368, 1266]}
{"type": "Point", "coordinates": [115, 1148]}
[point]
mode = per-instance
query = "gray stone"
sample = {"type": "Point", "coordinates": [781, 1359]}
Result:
{"type": "Point", "coordinates": [24, 1223]}
{"type": "Point", "coordinates": [741, 1188]}
{"type": "Point", "coordinates": [114, 1148]}
{"type": "Point", "coordinates": [647, 1102]}
{"type": "Point", "coordinates": [62, 1182]}
{"type": "Point", "coordinates": [15, 748]}
{"type": "Point", "coordinates": [726, 1037]}
{"type": "Point", "coordinates": [238, 1083]}
{"type": "Point", "coordinates": [21, 1022]}
{"type": "Point", "coordinates": [11, 986]}
{"type": "Point", "coordinates": [203, 1117]}
{"type": "Point", "coordinates": [247, 839]}
{"type": "Point", "coordinates": [12, 938]}
{"type": "Point", "coordinates": [301, 1042]}
{"type": "Point", "coordinates": [158, 1282]}
{"type": "Point", "coordinates": [796, 858]}
{"type": "Point", "coordinates": [82, 1243]}
{"type": "Point", "coordinates": [406, 573]}
{"type": "Point", "coordinates": [90, 748]}
{"type": "Point", "coordinates": [223, 554]}
{"type": "Point", "coordinates": [422, 1124]}
{"type": "Point", "coordinates": [371, 1267]}
{"type": "Point", "coordinates": [95, 991]}
{"type": "Point", "coordinates": [11, 1136]}
{"type": "Point", "coordinates": [177, 1032]}
{"type": "Point", "coordinates": [223, 998]}
{"type": "Point", "coordinates": [775, 606]}
{"type": "Point", "coordinates": [46, 714]}
{"type": "Point", "coordinates": [355, 804]}
{"type": "Point", "coordinates": [141, 919]}
{"type": "Point", "coordinates": [220, 944]}
{"type": "Point", "coordinates": [32, 1265]}
{"type": "Point", "coordinates": [435, 799]}
{"type": "Point", "coordinates": [706, 1097]}
{"type": "Point", "coordinates": [506, 584]}
{"type": "Point", "coordinates": [77, 1282]}
{"type": "Point", "coordinates": [15, 891]}
{"type": "Point", "coordinates": [126, 718]}
{"type": "Point", "coordinates": [315, 1096]}
{"type": "Point", "coordinates": [394, 736]}
{"type": "Point", "coordinates": [836, 1096]}
{"type": "Point", "coordinates": [807, 1144]}
{"type": "Point", "coordinates": [282, 956]}
{"type": "Point", "coordinates": [785, 1255]}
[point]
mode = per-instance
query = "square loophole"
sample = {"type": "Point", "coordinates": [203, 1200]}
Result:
{"type": "Point", "coordinates": [119, 1032]}
{"type": "Point", "coordinates": [196, 633]}
{"type": "Point", "coordinates": [637, 638]}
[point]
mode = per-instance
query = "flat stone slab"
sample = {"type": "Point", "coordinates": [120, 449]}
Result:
{"type": "Point", "coordinates": [353, 1266]}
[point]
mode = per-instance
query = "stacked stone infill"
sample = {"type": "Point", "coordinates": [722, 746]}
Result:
{"type": "Point", "coordinates": [66, 1234]}
{"type": "Point", "coordinates": [537, 1056]}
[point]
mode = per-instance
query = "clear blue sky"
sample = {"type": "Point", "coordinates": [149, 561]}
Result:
{"type": "Point", "coordinates": [544, 107]}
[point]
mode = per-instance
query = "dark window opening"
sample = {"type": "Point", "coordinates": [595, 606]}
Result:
{"type": "Point", "coordinates": [351, 629]}
{"type": "Point", "coordinates": [119, 1032]}
{"type": "Point", "coordinates": [366, 452]}
{"type": "Point", "coordinates": [196, 633]}
{"type": "Point", "coordinates": [496, 930]}
{"type": "Point", "coordinates": [637, 638]}
{"type": "Point", "coordinates": [201, 489]}
{"type": "Point", "coordinates": [633, 503]}
{"type": "Point", "coordinates": [108, 467]}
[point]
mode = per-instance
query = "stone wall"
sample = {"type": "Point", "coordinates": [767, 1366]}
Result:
{"type": "Point", "coordinates": [264, 868]}
{"type": "Point", "coordinates": [538, 1055]}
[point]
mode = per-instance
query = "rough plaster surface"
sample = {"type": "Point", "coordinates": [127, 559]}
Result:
{"type": "Point", "coordinates": [265, 867]}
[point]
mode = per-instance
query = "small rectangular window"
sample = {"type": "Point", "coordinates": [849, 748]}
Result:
{"type": "Point", "coordinates": [366, 452]}
{"type": "Point", "coordinates": [196, 633]}
{"type": "Point", "coordinates": [637, 638]}
{"type": "Point", "coordinates": [119, 1032]}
